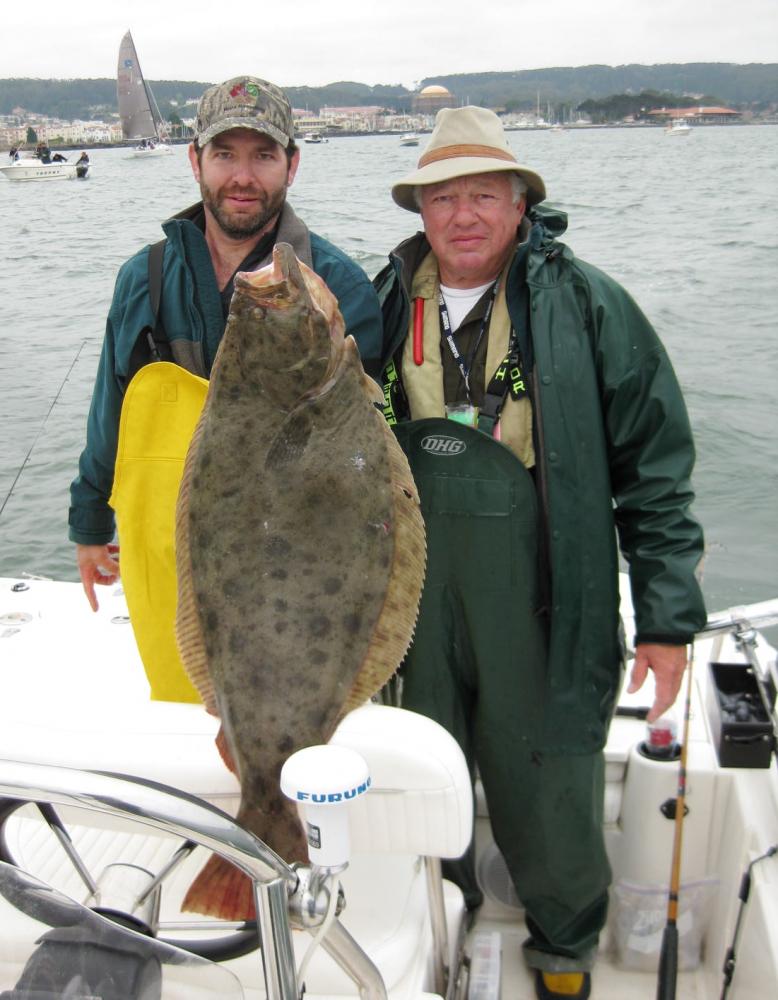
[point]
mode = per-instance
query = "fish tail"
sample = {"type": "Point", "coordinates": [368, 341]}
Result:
{"type": "Point", "coordinates": [221, 890]}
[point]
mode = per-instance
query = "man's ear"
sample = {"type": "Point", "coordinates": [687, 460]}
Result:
{"type": "Point", "coordinates": [294, 163]}
{"type": "Point", "coordinates": [194, 162]}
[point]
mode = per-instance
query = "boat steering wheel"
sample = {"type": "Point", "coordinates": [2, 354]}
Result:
{"type": "Point", "coordinates": [231, 943]}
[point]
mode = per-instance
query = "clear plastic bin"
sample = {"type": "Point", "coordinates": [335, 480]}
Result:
{"type": "Point", "coordinates": [639, 917]}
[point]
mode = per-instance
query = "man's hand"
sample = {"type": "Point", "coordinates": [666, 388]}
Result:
{"type": "Point", "coordinates": [97, 564]}
{"type": "Point", "coordinates": [668, 664]}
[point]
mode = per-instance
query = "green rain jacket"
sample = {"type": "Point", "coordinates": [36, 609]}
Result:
{"type": "Point", "coordinates": [614, 449]}
{"type": "Point", "coordinates": [193, 320]}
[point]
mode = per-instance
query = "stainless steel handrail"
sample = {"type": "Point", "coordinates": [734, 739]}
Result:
{"type": "Point", "coordinates": [181, 815]}
{"type": "Point", "coordinates": [342, 947]}
{"type": "Point", "coordinates": [763, 614]}
{"type": "Point", "coordinates": [440, 963]}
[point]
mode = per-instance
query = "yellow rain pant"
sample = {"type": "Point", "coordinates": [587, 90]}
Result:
{"type": "Point", "coordinates": [159, 414]}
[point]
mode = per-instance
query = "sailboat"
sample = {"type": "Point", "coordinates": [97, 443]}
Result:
{"type": "Point", "coordinates": [137, 107]}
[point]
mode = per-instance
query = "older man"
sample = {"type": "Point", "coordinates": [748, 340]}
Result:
{"type": "Point", "coordinates": [541, 417]}
{"type": "Point", "coordinates": [244, 159]}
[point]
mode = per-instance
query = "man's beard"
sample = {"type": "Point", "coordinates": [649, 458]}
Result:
{"type": "Point", "coordinates": [244, 226]}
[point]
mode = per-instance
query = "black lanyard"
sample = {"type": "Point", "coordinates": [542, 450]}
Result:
{"type": "Point", "coordinates": [445, 325]}
{"type": "Point", "coordinates": [508, 379]}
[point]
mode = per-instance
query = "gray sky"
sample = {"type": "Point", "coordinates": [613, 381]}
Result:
{"type": "Point", "coordinates": [300, 42]}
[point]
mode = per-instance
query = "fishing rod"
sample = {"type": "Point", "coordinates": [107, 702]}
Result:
{"type": "Point", "coordinates": [23, 466]}
{"type": "Point", "coordinates": [668, 956]}
{"type": "Point", "coordinates": [741, 623]}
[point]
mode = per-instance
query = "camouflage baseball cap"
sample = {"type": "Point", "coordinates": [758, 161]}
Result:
{"type": "Point", "coordinates": [244, 102]}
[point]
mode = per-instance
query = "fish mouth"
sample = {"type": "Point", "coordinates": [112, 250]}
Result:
{"type": "Point", "coordinates": [286, 266]}
{"type": "Point", "coordinates": [279, 283]}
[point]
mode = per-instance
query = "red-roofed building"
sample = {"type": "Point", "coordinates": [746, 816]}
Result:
{"type": "Point", "coordinates": [699, 115]}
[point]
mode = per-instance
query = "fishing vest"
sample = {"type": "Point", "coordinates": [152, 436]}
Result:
{"type": "Point", "coordinates": [423, 384]}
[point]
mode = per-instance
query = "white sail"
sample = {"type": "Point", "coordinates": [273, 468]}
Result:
{"type": "Point", "coordinates": [137, 108]}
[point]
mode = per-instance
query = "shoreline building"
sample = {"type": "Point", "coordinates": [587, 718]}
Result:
{"type": "Point", "coordinates": [696, 116]}
{"type": "Point", "coordinates": [431, 99]}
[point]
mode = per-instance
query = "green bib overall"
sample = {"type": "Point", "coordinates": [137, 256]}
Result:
{"type": "Point", "coordinates": [477, 667]}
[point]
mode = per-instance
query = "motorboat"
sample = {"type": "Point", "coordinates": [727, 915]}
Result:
{"type": "Point", "coordinates": [110, 801]}
{"type": "Point", "coordinates": [410, 139]}
{"type": "Point", "coordinates": [32, 168]}
{"type": "Point", "coordinates": [678, 126]}
{"type": "Point", "coordinates": [314, 137]}
{"type": "Point", "coordinates": [138, 110]}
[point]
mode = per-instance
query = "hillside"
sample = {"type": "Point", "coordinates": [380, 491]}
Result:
{"type": "Point", "coordinates": [741, 86]}
{"type": "Point", "coordinates": [753, 86]}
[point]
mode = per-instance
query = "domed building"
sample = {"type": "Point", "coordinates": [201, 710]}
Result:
{"type": "Point", "coordinates": [431, 99]}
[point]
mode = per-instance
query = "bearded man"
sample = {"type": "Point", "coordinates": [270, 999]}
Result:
{"type": "Point", "coordinates": [171, 300]}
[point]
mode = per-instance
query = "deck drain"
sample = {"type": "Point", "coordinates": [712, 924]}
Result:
{"type": "Point", "coordinates": [15, 618]}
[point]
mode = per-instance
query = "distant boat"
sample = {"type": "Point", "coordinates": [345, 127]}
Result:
{"type": "Point", "coordinates": [314, 137]}
{"type": "Point", "coordinates": [678, 126]}
{"type": "Point", "coordinates": [137, 107]}
{"type": "Point", "coordinates": [26, 166]}
{"type": "Point", "coordinates": [410, 139]}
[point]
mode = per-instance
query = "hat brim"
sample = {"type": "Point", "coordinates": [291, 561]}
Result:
{"type": "Point", "coordinates": [228, 124]}
{"type": "Point", "coordinates": [448, 169]}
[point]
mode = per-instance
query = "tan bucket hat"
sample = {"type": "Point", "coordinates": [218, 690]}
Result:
{"type": "Point", "coordinates": [467, 140]}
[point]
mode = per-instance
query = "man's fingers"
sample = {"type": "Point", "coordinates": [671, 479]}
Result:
{"type": "Point", "coordinates": [89, 590]}
{"type": "Point", "coordinates": [638, 675]}
{"type": "Point", "coordinates": [667, 688]}
{"type": "Point", "coordinates": [659, 708]}
{"type": "Point", "coordinates": [97, 565]}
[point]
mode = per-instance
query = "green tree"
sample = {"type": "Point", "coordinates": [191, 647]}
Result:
{"type": "Point", "coordinates": [176, 125]}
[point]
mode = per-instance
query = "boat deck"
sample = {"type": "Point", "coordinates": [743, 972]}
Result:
{"type": "Point", "coordinates": [75, 693]}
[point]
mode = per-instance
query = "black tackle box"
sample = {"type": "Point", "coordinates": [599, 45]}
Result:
{"type": "Point", "coordinates": [740, 721]}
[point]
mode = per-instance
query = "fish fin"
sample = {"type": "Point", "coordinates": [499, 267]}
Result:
{"type": "Point", "coordinates": [394, 628]}
{"type": "Point", "coordinates": [291, 441]}
{"type": "Point", "coordinates": [224, 750]}
{"type": "Point", "coordinates": [189, 633]}
{"type": "Point", "coordinates": [221, 890]}
{"type": "Point", "coordinates": [373, 390]}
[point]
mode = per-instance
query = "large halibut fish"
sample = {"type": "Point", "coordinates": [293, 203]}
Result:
{"type": "Point", "coordinates": [299, 547]}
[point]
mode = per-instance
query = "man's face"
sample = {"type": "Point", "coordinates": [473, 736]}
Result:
{"type": "Point", "coordinates": [471, 226]}
{"type": "Point", "coordinates": [243, 177]}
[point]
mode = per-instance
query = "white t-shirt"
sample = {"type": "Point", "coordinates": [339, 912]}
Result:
{"type": "Point", "coordinates": [459, 301]}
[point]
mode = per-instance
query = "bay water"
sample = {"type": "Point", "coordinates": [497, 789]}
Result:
{"type": "Point", "coordinates": [688, 225]}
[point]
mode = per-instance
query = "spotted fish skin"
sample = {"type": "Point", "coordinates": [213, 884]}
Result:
{"type": "Point", "coordinates": [300, 546]}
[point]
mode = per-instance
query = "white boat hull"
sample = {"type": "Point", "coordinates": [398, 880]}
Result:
{"type": "Point", "coordinates": [162, 149]}
{"type": "Point", "coordinates": [27, 170]}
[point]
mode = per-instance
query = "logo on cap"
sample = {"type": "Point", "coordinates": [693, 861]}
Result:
{"type": "Point", "coordinates": [250, 91]}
